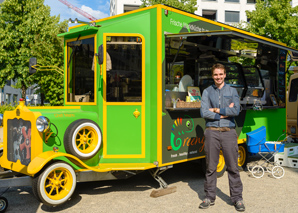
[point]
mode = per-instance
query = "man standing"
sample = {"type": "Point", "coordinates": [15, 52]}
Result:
{"type": "Point", "coordinates": [220, 104]}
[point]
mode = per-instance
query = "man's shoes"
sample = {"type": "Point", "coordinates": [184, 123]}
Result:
{"type": "Point", "coordinates": [239, 206]}
{"type": "Point", "coordinates": [206, 204]}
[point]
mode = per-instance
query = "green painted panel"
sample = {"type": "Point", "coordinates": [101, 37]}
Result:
{"type": "Point", "coordinates": [273, 119]}
{"type": "Point", "coordinates": [177, 23]}
{"type": "Point", "coordinates": [123, 130]}
{"type": "Point", "coordinates": [151, 94]}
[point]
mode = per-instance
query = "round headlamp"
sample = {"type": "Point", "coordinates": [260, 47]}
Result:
{"type": "Point", "coordinates": [1, 119]}
{"type": "Point", "coordinates": [42, 123]}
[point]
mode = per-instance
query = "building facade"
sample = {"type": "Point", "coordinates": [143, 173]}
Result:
{"type": "Point", "coordinates": [11, 95]}
{"type": "Point", "coordinates": [225, 11]}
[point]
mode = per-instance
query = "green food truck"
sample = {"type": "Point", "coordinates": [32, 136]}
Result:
{"type": "Point", "coordinates": [133, 84]}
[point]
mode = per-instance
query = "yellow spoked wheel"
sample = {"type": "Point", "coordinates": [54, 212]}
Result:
{"type": "Point", "coordinates": [83, 139]}
{"type": "Point", "coordinates": [242, 156]}
{"type": "Point", "coordinates": [221, 166]}
{"type": "Point", "coordinates": [86, 139]}
{"type": "Point", "coordinates": [56, 184]}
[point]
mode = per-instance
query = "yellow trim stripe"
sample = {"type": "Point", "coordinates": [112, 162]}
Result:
{"type": "Point", "coordinates": [159, 84]}
{"type": "Point", "coordinates": [124, 103]}
{"type": "Point", "coordinates": [105, 103]}
{"type": "Point", "coordinates": [42, 159]}
{"type": "Point", "coordinates": [286, 88]}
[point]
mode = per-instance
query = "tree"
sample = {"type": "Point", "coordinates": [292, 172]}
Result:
{"type": "Point", "coordinates": [187, 5]}
{"type": "Point", "coordinates": [275, 19]}
{"type": "Point", "coordinates": [27, 30]}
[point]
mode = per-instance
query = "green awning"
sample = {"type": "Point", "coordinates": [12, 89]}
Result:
{"type": "Point", "coordinates": [88, 30]}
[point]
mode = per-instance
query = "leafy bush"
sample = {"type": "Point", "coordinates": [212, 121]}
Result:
{"type": "Point", "coordinates": [6, 107]}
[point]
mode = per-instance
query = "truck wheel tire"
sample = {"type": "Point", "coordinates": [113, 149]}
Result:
{"type": "Point", "coordinates": [242, 157]}
{"type": "Point", "coordinates": [55, 184]}
{"type": "Point", "coordinates": [3, 204]}
{"type": "Point", "coordinates": [83, 139]}
{"type": "Point", "coordinates": [221, 166]}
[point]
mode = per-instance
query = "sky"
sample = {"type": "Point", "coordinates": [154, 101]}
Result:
{"type": "Point", "coordinates": [96, 8]}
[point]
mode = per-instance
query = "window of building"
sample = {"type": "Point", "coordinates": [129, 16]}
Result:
{"type": "Point", "coordinates": [231, 0]}
{"type": "Point", "coordinates": [8, 82]}
{"type": "Point", "coordinates": [232, 16]}
{"type": "Point", "coordinates": [251, 1]}
{"type": "Point", "coordinates": [210, 14]}
{"type": "Point", "coordinates": [7, 98]}
{"type": "Point", "coordinates": [124, 69]}
{"type": "Point", "coordinates": [15, 99]}
{"type": "Point", "coordinates": [128, 8]}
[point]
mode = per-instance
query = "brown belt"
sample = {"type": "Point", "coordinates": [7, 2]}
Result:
{"type": "Point", "coordinates": [221, 129]}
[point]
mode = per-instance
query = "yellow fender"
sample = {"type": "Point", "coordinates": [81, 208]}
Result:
{"type": "Point", "coordinates": [42, 159]}
{"type": "Point", "coordinates": [240, 141]}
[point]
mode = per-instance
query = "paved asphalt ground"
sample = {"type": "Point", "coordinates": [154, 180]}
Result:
{"type": "Point", "coordinates": [133, 195]}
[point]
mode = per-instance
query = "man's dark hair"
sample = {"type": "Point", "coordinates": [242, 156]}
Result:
{"type": "Point", "coordinates": [218, 66]}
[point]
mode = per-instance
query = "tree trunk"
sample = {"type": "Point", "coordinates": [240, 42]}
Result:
{"type": "Point", "coordinates": [24, 91]}
{"type": "Point", "coordinates": [42, 96]}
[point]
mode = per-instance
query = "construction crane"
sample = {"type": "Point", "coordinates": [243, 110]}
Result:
{"type": "Point", "coordinates": [83, 13]}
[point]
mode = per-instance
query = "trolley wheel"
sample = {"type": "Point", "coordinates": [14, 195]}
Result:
{"type": "Point", "coordinates": [278, 172]}
{"type": "Point", "coordinates": [242, 157]}
{"type": "Point", "coordinates": [3, 204]}
{"type": "Point", "coordinates": [257, 171]}
{"type": "Point", "coordinates": [221, 166]}
{"type": "Point", "coordinates": [55, 184]}
{"type": "Point", "coordinates": [82, 139]}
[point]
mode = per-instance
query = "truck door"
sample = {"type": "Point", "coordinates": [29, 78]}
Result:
{"type": "Point", "coordinates": [124, 96]}
{"type": "Point", "coordinates": [292, 105]}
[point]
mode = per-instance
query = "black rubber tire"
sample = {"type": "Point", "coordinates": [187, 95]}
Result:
{"type": "Point", "coordinates": [71, 134]}
{"type": "Point", "coordinates": [3, 204]}
{"type": "Point", "coordinates": [202, 166]}
{"type": "Point", "coordinates": [39, 189]}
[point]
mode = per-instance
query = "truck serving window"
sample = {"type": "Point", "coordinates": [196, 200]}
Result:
{"type": "Point", "coordinates": [124, 69]}
{"type": "Point", "coordinates": [80, 72]}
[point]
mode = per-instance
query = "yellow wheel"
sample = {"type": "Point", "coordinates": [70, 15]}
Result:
{"type": "Point", "coordinates": [221, 166]}
{"type": "Point", "coordinates": [55, 184]}
{"type": "Point", "coordinates": [82, 139]}
{"type": "Point", "coordinates": [242, 156]}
